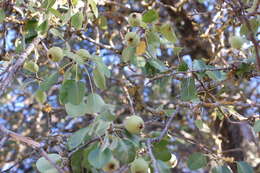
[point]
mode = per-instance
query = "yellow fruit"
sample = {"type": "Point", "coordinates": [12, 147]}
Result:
{"type": "Point", "coordinates": [31, 66]}
{"type": "Point", "coordinates": [134, 124]}
{"type": "Point", "coordinates": [111, 166]}
{"type": "Point", "coordinates": [83, 53]}
{"type": "Point", "coordinates": [55, 54]}
{"type": "Point", "coordinates": [139, 166]}
{"type": "Point", "coordinates": [236, 42]}
{"type": "Point", "coordinates": [135, 19]}
{"type": "Point", "coordinates": [132, 39]}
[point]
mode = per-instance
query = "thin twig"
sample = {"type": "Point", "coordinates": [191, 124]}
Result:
{"type": "Point", "coordinates": [30, 142]}
{"type": "Point", "coordinates": [150, 152]}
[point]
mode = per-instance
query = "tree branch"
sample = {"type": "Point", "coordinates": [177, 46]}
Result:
{"type": "Point", "coordinates": [10, 72]}
{"type": "Point", "coordinates": [30, 142]}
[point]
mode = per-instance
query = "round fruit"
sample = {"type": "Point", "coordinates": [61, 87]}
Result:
{"type": "Point", "coordinates": [134, 124]}
{"type": "Point", "coordinates": [83, 53]}
{"type": "Point", "coordinates": [236, 42]}
{"type": "Point", "coordinates": [55, 54]}
{"type": "Point", "coordinates": [111, 166]}
{"type": "Point", "coordinates": [132, 39]}
{"type": "Point", "coordinates": [139, 166]}
{"type": "Point", "coordinates": [135, 19]}
{"type": "Point", "coordinates": [173, 161]}
{"type": "Point", "coordinates": [31, 66]}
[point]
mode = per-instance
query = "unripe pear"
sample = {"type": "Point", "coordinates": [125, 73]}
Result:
{"type": "Point", "coordinates": [31, 66]}
{"type": "Point", "coordinates": [134, 124]}
{"type": "Point", "coordinates": [111, 166]}
{"type": "Point", "coordinates": [55, 54]}
{"type": "Point", "coordinates": [135, 19]}
{"type": "Point", "coordinates": [236, 42]}
{"type": "Point", "coordinates": [83, 53]}
{"type": "Point", "coordinates": [173, 161]}
{"type": "Point", "coordinates": [132, 39]}
{"type": "Point", "coordinates": [139, 166]}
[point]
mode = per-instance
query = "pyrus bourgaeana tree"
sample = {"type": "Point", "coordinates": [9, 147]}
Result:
{"type": "Point", "coordinates": [131, 86]}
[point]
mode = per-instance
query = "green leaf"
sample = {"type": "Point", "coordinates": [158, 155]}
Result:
{"type": "Point", "coordinates": [157, 64]}
{"type": "Point", "coordinates": [93, 5]}
{"type": "Point", "coordinates": [150, 16]}
{"type": "Point", "coordinates": [215, 75]}
{"type": "Point", "coordinates": [2, 15]}
{"type": "Point", "coordinates": [76, 92]}
{"type": "Point", "coordinates": [257, 126]}
{"type": "Point", "coordinates": [43, 27]}
{"type": "Point", "coordinates": [48, 3]}
{"type": "Point", "coordinates": [66, 17]}
{"type": "Point", "coordinates": [103, 68]}
{"type": "Point", "coordinates": [125, 151]}
{"type": "Point", "coordinates": [78, 59]}
{"type": "Point", "coordinates": [57, 33]}
{"type": "Point", "coordinates": [51, 80]}
{"type": "Point", "coordinates": [243, 167]}
{"type": "Point", "coordinates": [77, 138]}
{"type": "Point", "coordinates": [31, 24]}
{"type": "Point", "coordinates": [76, 161]}
{"type": "Point", "coordinates": [188, 89]}
{"type": "Point", "coordinates": [196, 161]}
{"type": "Point", "coordinates": [183, 67]}
{"type": "Point", "coordinates": [94, 103]}
{"type": "Point", "coordinates": [98, 158]}
{"type": "Point", "coordinates": [77, 20]}
{"type": "Point", "coordinates": [44, 166]}
{"type": "Point", "coordinates": [102, 22]}
{"type": "Point", "coordinates": [254, 23]}
{"type": "Point", "coordinates": [99, 79]}
{"type": "Point", "coordinates": [40, 96]}
{"type": "Point", "coordinates": [161, 152]}
{"type": "Point", "coordinates": [128, 53]}
{"type": "Point", "coordinates": [163, 167]}
{"type": "Point", "coordinates": [76, 110]}
{"type": "Point", "coordinates": [72, 91]}
{"type": "Point", "coordinates": [168, 32]}
{"type": "Point", "coordinates": [55, 12]}
{"type": "Point", "coordinates": [221, 169]}
{"type": "Point", "coordinates": [152, 38]}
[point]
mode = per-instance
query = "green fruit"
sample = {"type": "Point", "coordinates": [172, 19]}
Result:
{"type": "Point", "coordinates": [236, 42]}
{"type": "Point", "coordinates": [132, 39]}
{"type": "Point", "coordinates": [173, 161]}
{"type": "Point", "coordinates": [83, 53]}
{"type": "Point", "coordinates": [55, 54]}
{"type": "Point", "coordinates": [139, 166]}
{"type": "Point", "coordinates": [135, 19]}
{"type": "Point", "coordinates": [111, 166]}
{"type": "Point", "coordinates": [31, 66]}
{"type": "Point", "coordinates": [134, 124]}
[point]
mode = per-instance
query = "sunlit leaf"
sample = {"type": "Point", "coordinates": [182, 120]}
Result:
{"type": "Point", "coordinates": [99, 79]}
{"type": "Point", "coordinates": [188, 89]}
{"type": "Point", "coordinates": [77, 138]}
{"type": "Point", "coordinates": [47, 83]}
{"type": "Point", "coordinates": [77, 20]}
{"type": "Point", "coordinates": [45, 166]}
{"type": "Point", "coordinates": [150, 16]}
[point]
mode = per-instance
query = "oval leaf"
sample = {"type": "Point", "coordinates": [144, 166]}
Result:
{"type": "Point", "coordinates": [196, 161]}
{"type": "Point", "coordinates": [98, 158]}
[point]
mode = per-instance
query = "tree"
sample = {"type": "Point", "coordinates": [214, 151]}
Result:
{"type": "Point", "coordinates": [130, 86]}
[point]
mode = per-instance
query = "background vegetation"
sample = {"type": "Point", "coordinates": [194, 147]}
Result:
{"type": "Point", "coordinates": [188, 68]}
